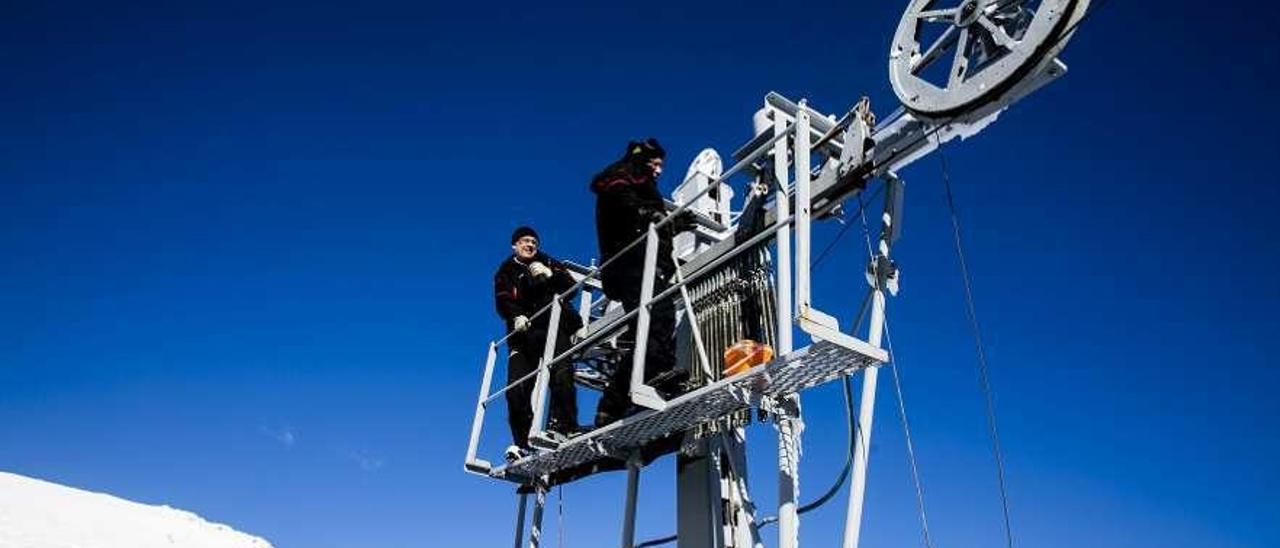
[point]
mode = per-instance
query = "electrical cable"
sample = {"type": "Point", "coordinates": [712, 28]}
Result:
{"type": "Point", "coordinates": [854, 432]}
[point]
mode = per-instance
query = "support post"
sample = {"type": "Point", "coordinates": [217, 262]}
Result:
{"type": "Point", "coordinates": [741, 514]}
{"type": "Point", "coordinates": [803, 206]}
{"type": "Point", "coordinates": [641, 393]}
{"type": "Point", "coordinates": [880, 282]}
{"type": "Point", "coordinates": [540, 502]}
{"type": "Point", "coordinates": [629, 512]}
{"type": "Point", "coordinates": [477, 422]}
{"type": "Point", "coordinates": [788, 427]}
{"type": "Point", "coordinates": [862, 443]}
{"type": "Point", "coordinates": [544, 372]}
{"type": "Point", "coordinates": [584, 305]}
{"type": "Point", "coordinates": [699, 515]}
{"type": "Point", "coordinates": [520, 508]}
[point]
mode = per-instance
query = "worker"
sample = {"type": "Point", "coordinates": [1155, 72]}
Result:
{"type": "Point", "coordinates": [526, 283]}
{"type": "Point", "coordinates": [627, 202]}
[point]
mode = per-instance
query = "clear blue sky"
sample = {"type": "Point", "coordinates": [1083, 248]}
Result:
{"type": "Point", "coordinates": [247, 250]}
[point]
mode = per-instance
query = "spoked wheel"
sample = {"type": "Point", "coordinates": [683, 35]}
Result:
{"type": "Point", "coordinates": [950, 57]}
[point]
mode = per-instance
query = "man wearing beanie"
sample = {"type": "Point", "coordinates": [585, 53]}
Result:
{"type": "Point", "coordinates": [627, 201]}
{"type": "Point", "coordinates": [526, 282]}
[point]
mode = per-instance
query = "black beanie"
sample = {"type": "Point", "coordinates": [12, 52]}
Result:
{"type": "Point", "coordinates": [645, 150]}
{"type": "Point", "coordinates": [522, 232]}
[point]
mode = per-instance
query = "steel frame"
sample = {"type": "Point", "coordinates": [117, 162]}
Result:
{"type": "Point", "coordinates": [796, 131]}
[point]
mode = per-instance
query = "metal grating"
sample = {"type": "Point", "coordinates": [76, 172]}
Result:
{"type": "Point", "coordinates": [806, 368]}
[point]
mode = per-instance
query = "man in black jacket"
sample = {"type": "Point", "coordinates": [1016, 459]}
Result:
{"type": "Point", "coordinates": [627, 201]}
{"type": "Point", "coordinates": [525, 283]}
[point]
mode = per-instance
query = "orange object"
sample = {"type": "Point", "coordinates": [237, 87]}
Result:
{"type": "Point", "coordinates": [744, 355]}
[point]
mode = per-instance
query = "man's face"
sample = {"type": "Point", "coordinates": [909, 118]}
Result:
{"type": "Point", "coordinates": [525, 248]}
{"type": "Point", "coordinates": [655, 165]}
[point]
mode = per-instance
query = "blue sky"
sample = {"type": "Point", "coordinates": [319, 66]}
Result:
{"type": "Point", "coordinates": [248, 250]}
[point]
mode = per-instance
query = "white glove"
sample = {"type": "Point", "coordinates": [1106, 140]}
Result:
{"type": "Point", "coordinates": [578, 335]}
{"type": "Point", "coordinates": [521, 323]}
{"type": "Point", "coordinates": [539, 270]}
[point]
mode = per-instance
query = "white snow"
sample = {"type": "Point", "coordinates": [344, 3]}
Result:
{"type": "Point", "coordinates": [39, 514]}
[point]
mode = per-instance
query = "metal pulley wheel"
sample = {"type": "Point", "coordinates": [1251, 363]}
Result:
{"type": "Point", "coordinates": [953, 56]}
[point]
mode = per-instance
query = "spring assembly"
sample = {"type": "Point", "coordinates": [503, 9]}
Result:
{"type": "Point", "coordinates": [733, 303]}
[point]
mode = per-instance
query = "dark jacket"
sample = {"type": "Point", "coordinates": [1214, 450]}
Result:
{"type": "Point", "coordinates": [627, 200]}
{"type": "Point", "coordinates": [517, 293]}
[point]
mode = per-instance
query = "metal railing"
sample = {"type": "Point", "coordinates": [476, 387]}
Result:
{"type": "Point", "coordinates": [641, 393]}
{"type": "Point", "coordinates": [784, 147]}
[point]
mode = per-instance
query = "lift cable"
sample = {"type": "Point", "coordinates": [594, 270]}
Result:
{"type": "Point", "coordinates": [924, 523]}
{"type": "Point", "coordinates": [902, 407]}
{"type": "Point", "coordinates": [983, 372]}
{"type": "Point", "coordinates": [931, 133]}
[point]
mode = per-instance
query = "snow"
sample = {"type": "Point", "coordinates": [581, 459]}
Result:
{"type": "Point", "coordinates": [39, 514]}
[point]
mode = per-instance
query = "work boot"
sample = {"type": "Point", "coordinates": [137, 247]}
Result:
{"type": "Point", "coordinates": [671, 384]}
{"type": "Point", "coordinates": [605, 417]}
{"type": "Point", "coordinates": [566, 430]}
{"type": "Point", "coordinates": [608, 415]}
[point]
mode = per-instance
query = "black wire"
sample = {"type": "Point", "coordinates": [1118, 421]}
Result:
{"type": "Point", "coordinates": [854, 427]}
{"type": "Point", "coordinates": [854, 431]}
{"type": "Point", "coordinates": [861, 206]}
{"type": "Point", "coordinates": [657, 541]}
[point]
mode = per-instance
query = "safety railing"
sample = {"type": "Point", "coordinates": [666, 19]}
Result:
{"type": "Point", "coordinates": [787, 152]}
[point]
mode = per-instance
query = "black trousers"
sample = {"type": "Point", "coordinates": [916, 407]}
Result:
{"type": "Point", "coordinates": [523, 360]}
{"type": "Point", "coordinates": [660, 348]}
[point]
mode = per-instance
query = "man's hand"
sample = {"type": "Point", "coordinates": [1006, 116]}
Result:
{"type": "Point", "coordinates": [521, 323]}
{"type": "Point", "coordinates": [654, 216]}
{"type": "Point", "coordinates": [539, 270]}
{"type": "Point", "coordinates": [684, 222]}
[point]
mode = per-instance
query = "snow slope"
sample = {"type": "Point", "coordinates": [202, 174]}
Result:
{"type": "Point", "coordinates": [39, 514]}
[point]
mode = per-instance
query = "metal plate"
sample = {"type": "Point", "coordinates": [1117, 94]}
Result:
{"type": "Point", "coordinates": [806, 368]}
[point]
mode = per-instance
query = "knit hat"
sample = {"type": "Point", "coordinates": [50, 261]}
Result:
{"type": "Point", "coordinates": [645, 150]}
{"type": "Point", "coordinates": [522, 232]}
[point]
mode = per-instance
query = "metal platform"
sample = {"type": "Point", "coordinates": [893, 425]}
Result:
{"type": "Point", "coordinates": [808, 367]}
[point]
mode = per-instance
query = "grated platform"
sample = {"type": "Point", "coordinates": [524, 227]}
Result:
{"type": "Point", "coordinates": [808, 367]}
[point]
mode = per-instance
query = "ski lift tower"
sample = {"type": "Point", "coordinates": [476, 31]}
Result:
{"type": "Point", "coordinates": [954, 66]}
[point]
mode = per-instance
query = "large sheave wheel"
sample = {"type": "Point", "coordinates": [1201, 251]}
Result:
{"type": "Point", "coordinates": [950, 57]}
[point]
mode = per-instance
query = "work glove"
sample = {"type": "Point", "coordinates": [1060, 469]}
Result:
{"type": "Point", "coordinates": [652, 215]}
{"type": "Point", "coordinates": [521, 323]}
{"type": "Point", "coordinates": [684, 222]}
{"type": "Point", "coordinates": [539, 270]}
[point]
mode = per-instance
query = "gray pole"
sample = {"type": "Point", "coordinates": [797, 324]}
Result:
{"type": "Point", "coordinates": [862, 443]}
{"type": "Point", "coordinates": [523, 503]}
{"type": "Point", "coordinates": [535, 532]}
{"type": "Point", "coordinates": [629, 516]}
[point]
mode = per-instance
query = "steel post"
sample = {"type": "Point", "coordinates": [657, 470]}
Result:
{"type": "Point", "coordinates": [540, 502]}
{"type": "Point", "coordinates": [629, 512]}
{"type": "Point", "coordinates": [520, 509]}
{"type": "Point", "coordinates": [788, 484]}
{"type": "Point", "coordinates": [544, 371]}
